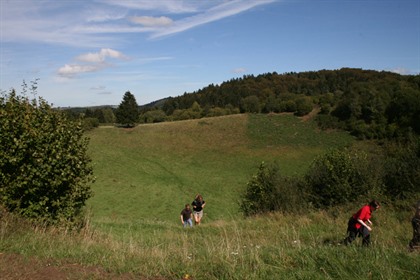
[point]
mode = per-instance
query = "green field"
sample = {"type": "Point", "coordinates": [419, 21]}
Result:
{"type": "Point", "coordinates": [149, 172]}
{"type": "Point", "coordinates": [146, 174]}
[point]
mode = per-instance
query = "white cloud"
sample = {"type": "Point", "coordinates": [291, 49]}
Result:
{"type": "Point", "coordinates": [100, 87]}
{"type": "Point", "coordinates": [152, 21]}
{"type": "Point", "coordinates": [165, 6]}
{"type": "Point", "coordinates": [71, 70]}
{"type": "Point", "coordinates": [95, 62]}
{"type": "Point", "coordinates": [100, 56]}
{"type": "Point", "coordinates": [402, 71]}
{"type": "Point", "coordinates": [239, 70]}
{"type": "Point", "coordinates": [104, 16]}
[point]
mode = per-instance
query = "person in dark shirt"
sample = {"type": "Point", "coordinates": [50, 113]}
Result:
{"type": "Point", "coordinates": [358, 224]}
{"type": "Point", "coordinates": [186, 216]}
{"type": "Point", "coordinates": [198, 205]}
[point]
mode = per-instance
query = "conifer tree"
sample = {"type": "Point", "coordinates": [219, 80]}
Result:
{"type": "Point", "coordinates": [127, 113]}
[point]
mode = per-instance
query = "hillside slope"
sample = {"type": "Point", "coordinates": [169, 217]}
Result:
{"type": "Point", "coordinates": [149, 172]}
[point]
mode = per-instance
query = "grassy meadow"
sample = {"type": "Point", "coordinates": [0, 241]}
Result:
{"type": "Point", "coordinates": [146, 174]}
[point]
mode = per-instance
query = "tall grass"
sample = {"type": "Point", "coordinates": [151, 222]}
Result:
{"type": "Point", "coordinates": [274, 246]}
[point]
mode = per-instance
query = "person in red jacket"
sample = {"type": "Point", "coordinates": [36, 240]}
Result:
{"type": "Point", "coordinates": [358, 224]}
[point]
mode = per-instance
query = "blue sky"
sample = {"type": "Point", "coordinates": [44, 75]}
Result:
{"type": "Point", "coordinates": [90, 52]}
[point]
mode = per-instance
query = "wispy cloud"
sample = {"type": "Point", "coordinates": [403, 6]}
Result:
{"type": "Point", "coordinates": [92, 23]}
{"type": "Point", "coordinates": [173, 7]}
{"type": "Point", "coordinates": [152, 21]}
{"type": "Point", "coordinates": [239, 70]}
{"type": "Point", "coordinates": [100, 56]}
{"type": "Point", "coordinates": [71, 70]}
{"type": "Point", "coordinates": [215, 13]}
{"type": "Point", "coordinates": [403, 71]}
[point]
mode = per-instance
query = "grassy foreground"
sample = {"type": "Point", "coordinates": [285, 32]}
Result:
{"type": "Point", "coordinates": [145, 175]}
{"type": "Point", "coordinates": [271, 247]}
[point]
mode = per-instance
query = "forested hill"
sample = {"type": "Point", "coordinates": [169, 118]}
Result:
{"type": "Point", "coordinates": [369, 103]}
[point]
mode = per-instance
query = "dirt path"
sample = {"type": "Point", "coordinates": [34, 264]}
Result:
{"type": "Point", "coordinates": [14, 266]}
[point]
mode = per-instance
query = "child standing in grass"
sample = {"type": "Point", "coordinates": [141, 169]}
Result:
{"type": "Point", "coordinates": [186, 216]}
{"type": "Point", "coordinates": [198, 205]}
{"type": "Point", "coordinates": [357, 225]}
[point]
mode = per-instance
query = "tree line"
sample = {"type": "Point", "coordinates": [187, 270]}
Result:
{"type": "Point", "coordinates": [370, 104]}
{"type": "Point", "coordinates": [367, 103]}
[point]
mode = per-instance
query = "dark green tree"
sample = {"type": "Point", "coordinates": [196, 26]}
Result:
{"type": "Point", "coordinates": [251, 104]}
{"type": "Point", "coordinates": [304, 106]}
{"type": "Point", "coordinates": [127, 113]}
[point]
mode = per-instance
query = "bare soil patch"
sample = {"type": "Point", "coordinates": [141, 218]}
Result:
{"type": "Point", "coordinates": [14, 266]}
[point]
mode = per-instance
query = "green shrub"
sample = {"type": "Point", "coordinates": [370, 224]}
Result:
{"type": "Point", "coordinates": [304, 106]}
{"type": "Point", "coordinates": [401, 170]}
{"type": "Point", "coordinates": [268, 191]}
{"type": "Point", "coordinates": [260, 190]}
{"type": "Point", "coordinates": [154, 116]}
{"type": "Point", "coordinates": [44, 167]}
{"type": "Point", "coordinates": [340, 176]}
{"type": "Point", "coordinates": [90, 123]}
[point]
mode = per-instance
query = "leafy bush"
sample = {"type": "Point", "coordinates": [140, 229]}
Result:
{"type": "Point", "coordinates": [340, 176]}
{"type": "Point", "coordinates": [260, 192]}
{"type": "Point", "coordinates": [44, 167]}
{"type": "Point", "coordinates": [304, 106]}
{"type": "Point", "coordinates": [153, 116]}
{"type": "Point", "coordinates": [402, 170]}
{"type": "Point", "coordinates": [268, 191]}
{"type": "Point", "coordinates": [90, 123]}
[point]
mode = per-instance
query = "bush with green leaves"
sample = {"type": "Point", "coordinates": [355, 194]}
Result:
{"type": "Point", "coordinates": [261, 189]}
{"type": "Point", "coordinates": [401, 170]}
{"type": "Point", "coordinates": [269, 191]}
{"type": "Point", "coordinates": [90, 123]}
{"type": "Point", "coordinates": [341, 176]}
{"type": "Point", "coordinates": [45, 170]}
{"type": "Point", "coordinates": [154, 116]}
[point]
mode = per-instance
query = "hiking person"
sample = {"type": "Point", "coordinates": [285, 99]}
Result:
{"type": "Point", "coordinates": [186, 216]}
{"type": "Point", "coordinates": [358, 224]}
{"type": "Point", "coordinates": [198, 205]}
{"type": "Point", "coordinates": [415, 242]}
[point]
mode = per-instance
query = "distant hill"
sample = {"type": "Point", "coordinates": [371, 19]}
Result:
{"type": "Point", "coordinates": [155, 104]}
{"type": "Point", "coordinates": [368, 103]}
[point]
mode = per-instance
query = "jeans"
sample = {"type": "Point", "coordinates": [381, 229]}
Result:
{"type": "Point", "coordinates": [188, 223]}
{"type": "Point", "coordinates": [353, 232]}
